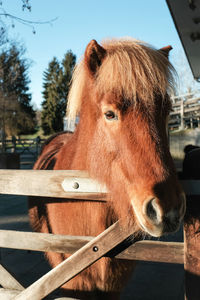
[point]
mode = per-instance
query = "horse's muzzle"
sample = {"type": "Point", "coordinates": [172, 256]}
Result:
{"type": "Point", "coordinates": [157, 222]}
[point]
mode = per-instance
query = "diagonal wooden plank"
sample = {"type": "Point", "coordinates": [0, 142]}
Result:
{"type": "Point", "coordinates": [8, 281]}
{"type": "Point", "coordinates": [77, 262]}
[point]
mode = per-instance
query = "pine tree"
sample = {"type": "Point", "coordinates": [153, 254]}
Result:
{"type": "Point", "coordinates": [56, 87]}
{"type": "Point", "coordinates": [16, 112]}
{"type": "Point", "coordinates": [50, 120]}
{"type": "Point", "coordinates": [68, 64]}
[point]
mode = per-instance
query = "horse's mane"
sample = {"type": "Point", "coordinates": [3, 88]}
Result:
{"type": "Point", "coordinates": [130, 68]}
{"type": "Point", "coordinates": [50, 149]}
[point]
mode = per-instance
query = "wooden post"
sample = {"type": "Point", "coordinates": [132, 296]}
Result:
{"type": "Point", "coordinates": [38, 145]}
{"type": "Point", "coordinates": [14, 143]}
{"type": "Point", "coordinates": [182, 114]}
{"type": "Point", "coordinates": [198, 122]}
{"type": "Point", "coordinates": [3, 141]}
{"type": "Point", "coordinates": [191, 122]}
{"type": "Point", "coordinates": [192, 249]}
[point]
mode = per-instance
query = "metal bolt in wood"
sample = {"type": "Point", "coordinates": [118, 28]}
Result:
{"type": "Point", "coordinates": [75, 185]}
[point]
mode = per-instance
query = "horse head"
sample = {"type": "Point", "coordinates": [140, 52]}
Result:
{"type": "Point", "coordinates": [120, 90]}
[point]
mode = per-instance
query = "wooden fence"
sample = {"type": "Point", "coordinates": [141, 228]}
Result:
{"type": "Point", "coordinates": [22, 146]}
{"type": "Point", "coordinates": [86, 250]}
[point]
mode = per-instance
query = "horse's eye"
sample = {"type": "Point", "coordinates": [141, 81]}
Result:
{"type": "Point", "coordinates": [110, 115]}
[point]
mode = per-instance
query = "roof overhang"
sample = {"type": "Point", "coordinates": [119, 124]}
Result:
{"type": "Point", "coordinates": [186, 17]}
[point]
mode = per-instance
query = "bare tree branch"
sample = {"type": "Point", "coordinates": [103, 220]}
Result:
{"type": "Point", "coordinates": [25, 6]}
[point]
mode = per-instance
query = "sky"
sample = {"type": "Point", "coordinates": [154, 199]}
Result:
{"type": "Point", "coordinates": [79, 21]}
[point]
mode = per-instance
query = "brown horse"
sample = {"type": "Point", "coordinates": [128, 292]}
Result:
{"type": "Point", "coordinates": [120, 91]}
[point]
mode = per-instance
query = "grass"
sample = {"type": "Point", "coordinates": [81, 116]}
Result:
{"type": "Point", "coordinates": [36, 134]}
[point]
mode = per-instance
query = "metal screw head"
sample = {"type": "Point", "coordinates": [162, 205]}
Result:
{"type": "Point", "coordinates": [75, 185]}
{"type": "Point", "coordinates": [95, 248]}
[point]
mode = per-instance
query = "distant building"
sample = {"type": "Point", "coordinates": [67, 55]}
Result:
{"type": "Point", "coordinates": [185, 111]}
{"type": "Point", "coordinates": [70, 125]}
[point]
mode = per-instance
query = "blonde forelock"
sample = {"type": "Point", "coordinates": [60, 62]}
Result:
{"type": "Point", "coordinates": [131, 68]}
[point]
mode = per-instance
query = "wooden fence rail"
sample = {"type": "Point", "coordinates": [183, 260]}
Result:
{"type": "Point", "coordinates": [77, 185]}
{"type": "Point", "coordinates": [167, 252]}
{"type": "Point", "coordinates": [46, 183]}
{"type": "Point", "coordinates": [63, 184]}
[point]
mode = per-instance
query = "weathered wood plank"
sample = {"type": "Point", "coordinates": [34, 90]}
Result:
{"type": "Point", "coordinates": [155, 251]}
{"type": "Point", "coordinates": [41, 241]}
{"type": "Point", "coordinates": [62, 184]}
{"type": "Point", "coordinates": [6, 294]}
{"type": "Point", "coordinates": [8, 281]}
{"type": "Point", "coordinates": [169, 252]}
{"type": "Point", "coordinates": [77, 262]}
{"type": "Point", "coordinates": [192, 249]}
{"type": "Point", "coordinates": [48, 183]}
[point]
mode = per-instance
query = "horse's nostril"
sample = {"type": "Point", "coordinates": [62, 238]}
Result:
{"type": "Point", "coordinates": [152, 211]}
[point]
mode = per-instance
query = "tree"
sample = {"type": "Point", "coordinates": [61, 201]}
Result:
{"type": "Point", "coordinates": [68, 64]}
{"type": "Point", "coordinates": [186, 83]}
{"type": "Point", "coordinates": [56, 87]}
{"type": "Point", "coordinates": [50, 118]}
{"type": "Point", "coordinates": [16, 112]}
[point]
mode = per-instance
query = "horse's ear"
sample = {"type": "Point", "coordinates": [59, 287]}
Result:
{"type": "Point", "coordinates": [94, 55]}
{"type": "Point", "coordinates": [165, 50]}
